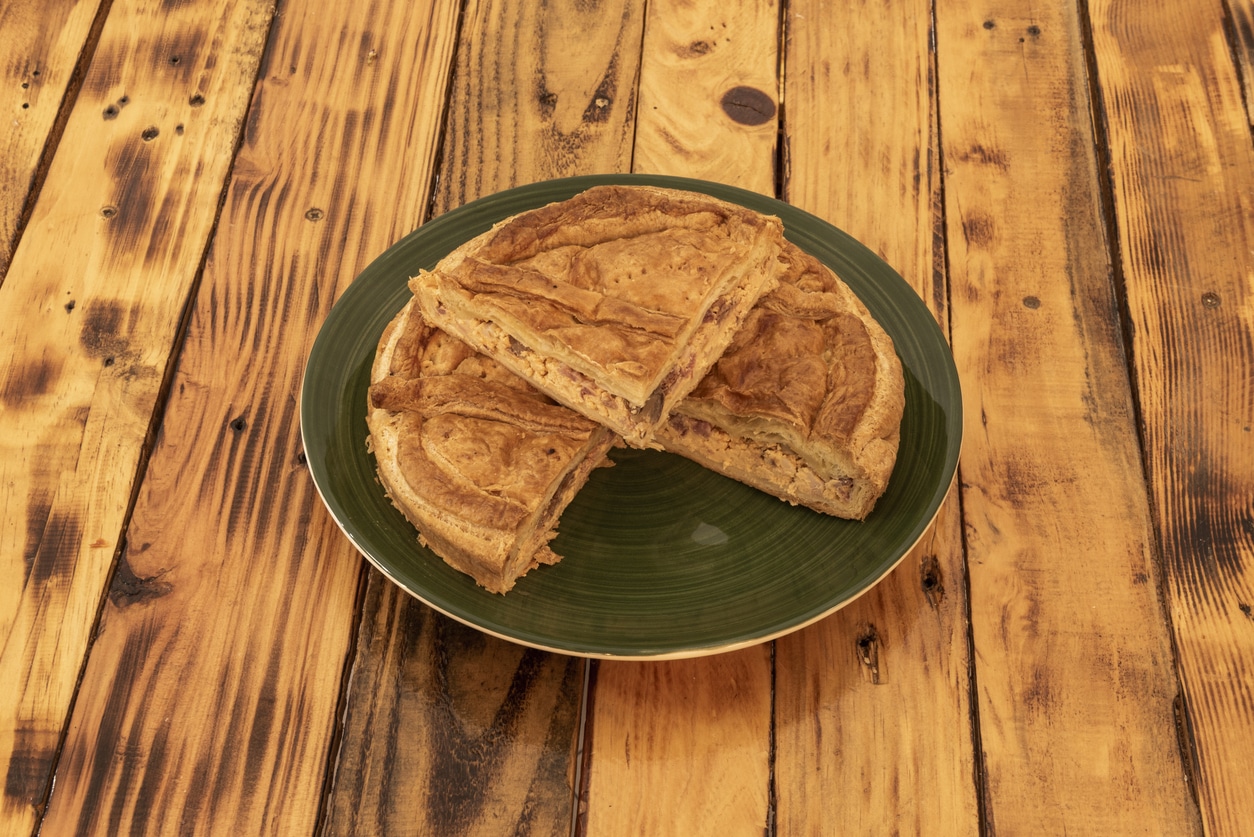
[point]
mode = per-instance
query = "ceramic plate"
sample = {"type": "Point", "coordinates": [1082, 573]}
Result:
{"type": "Point", "coordinates": [661, 558]}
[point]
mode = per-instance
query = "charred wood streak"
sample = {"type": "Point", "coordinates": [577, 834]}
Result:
{"type": "Point", "coordinates": [466, 761]}
{"type": "Point", "coordinates": [117, 737]}
{"type": "Point", "coordinates": [72, 88]}
{"type": "Point", "coordinates": [127, 589]}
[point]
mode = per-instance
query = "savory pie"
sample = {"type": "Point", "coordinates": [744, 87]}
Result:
{"type": "Point", "coordinates": [480, 462]}
{"type": "Point", "coordinates": [806, 403]}
{"type": "Point", "coordinates": [614, 302]}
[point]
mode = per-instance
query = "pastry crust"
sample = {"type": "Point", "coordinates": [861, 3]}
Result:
{"type": "Point", "coordinates": [615, 302]}
{"type": "Point", "coordinates": [481, 463]}
{"type": "Point", "coordinates": [807, 401]}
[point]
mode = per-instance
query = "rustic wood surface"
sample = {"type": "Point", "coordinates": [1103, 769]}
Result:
{"type": "Point", "coordinates": [189, 645]}
{"type": "Point", "coordinates": [1065, 614]}
{"type": "Point", "coordinates": [45, 47]}
{"type": "Point", "coordinates": [1182, 177]}
{"type": "Point", "coordinates": [91, 315]}
{"type": "Point", "coordinates": [897, 658]}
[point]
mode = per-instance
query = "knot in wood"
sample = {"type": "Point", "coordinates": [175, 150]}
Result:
{"type": "Point", "coordinates": [748, 105]}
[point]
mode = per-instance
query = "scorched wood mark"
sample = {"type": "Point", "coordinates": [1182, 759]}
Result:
{"type": "Point", "coordinates": [979, 230]}
{"type": "Point", "coordinates": [56, 549]}
{"type": "Point", "coordinates": [103, 330]}
{"type": "Point", "coordinates": [130, 163]}
{"type": "Point", "coordinates": [468, 760]}
{"type": "Point", "coordinates": [128, 589]}
{"type": "Point", "coordinates": [37, 512]}
{"type": "Point", "coordinates": [26, 780]}
{"type": "Point", "coordinates": [748, 105]}
{"type": "Point", "coordinates": [29, 379]}
{"type": "Point", "coordinates": [983, 154]}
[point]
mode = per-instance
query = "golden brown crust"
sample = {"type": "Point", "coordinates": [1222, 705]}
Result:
{"type": "Point", "coordinates": [480, 463]}
{"type": "Point", "coordinates": [807, 401]}
{"type": "Point", "coordinates": [614, 302]}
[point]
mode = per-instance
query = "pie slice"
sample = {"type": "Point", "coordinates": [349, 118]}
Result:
{"type": "Point", "coordinates": [615, 302]}
{"type": "Point", "coordinates": [481, 463]}
{"type": "Point", "coordinates": [806, 403]}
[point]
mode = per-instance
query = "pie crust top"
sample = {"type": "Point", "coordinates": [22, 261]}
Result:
{"type": "Point", "coordinates": [615, 281]}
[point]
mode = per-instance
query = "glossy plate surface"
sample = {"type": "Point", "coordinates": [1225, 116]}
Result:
{"type": "Point", "coordinates": [661, 558]}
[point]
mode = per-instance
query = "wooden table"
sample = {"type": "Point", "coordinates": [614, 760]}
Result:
{"type": "Point", "coordinates": [188, 645]}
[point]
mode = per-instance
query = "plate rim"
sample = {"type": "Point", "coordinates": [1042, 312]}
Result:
{"type": "Point", "coordinates": [480, 212]}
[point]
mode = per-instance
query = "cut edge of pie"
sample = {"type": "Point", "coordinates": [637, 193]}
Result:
{"type": "Point", "coordinates": [807, 402]}
{"type": "Point", "coordinates": [481, 464]}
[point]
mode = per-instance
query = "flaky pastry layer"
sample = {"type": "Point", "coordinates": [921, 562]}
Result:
{"type": "Point", "coordinates": [614, 302]}
{"type": "Point", "coordinates": [481, 463]}
{"type": "Point", "coordinates": [806, 402]}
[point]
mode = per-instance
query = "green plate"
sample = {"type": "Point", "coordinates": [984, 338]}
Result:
{"type": "Point", "coordinates": [661, 558]}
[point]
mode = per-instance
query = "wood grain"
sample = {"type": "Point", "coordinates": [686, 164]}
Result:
{"type": "Point", "coordinates": [439, 741]}
{"type": "Point", "coordinates": [680, 747]}
{"type": "Point", "coordinates": [709, 92]}
{"type": "Point", "coordinates": [211, 695]}
{"type": "Point", "coordinates": [542, 91]}
{"type": "Point", "coordinates": [873, 721]}
{"type": "Point", "coordinates": [1074, 663]}
{"type": "Point", "coordinates": [89, 311]}
{"type": "Point", "coordinates": [1241, 14]}
{"type": "Point", "coordinates": [872, 705]}
{"type": "Point", "coordinates": [42, 43]}
{"type": "Point", "coordinates": [495, 728]}
{"type": "Point", "coordinates": [1183, 173]}
{"type": "Point", "coordinates": [683, 746]}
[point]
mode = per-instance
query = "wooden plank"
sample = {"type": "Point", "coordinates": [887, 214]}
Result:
{"type": "Point", "coordinates": [1074, 664]}
{"type": "Point", "coordinates": [873, 717]}
{"type": "Point", "coordinates": [680, 746]}
{"type": "Point", "coordinates": [449, 731]}
{"type": "Point", "coordinates": [683, 746]}
{"type": "Point", "coordinates": [88, 314]}
{"type": "Point", "coordinates": [709, 92]}
{"type": "Point", "coordinates": [1183, 173]}
{"type": "Point", "coordinates": [500, 757]}
{"type": "Point", "coordinates": [1242, 34]}
{"type": "Point", "coordinates": [531, 105]}
{"type": "Point", "coordinates": [41, 43]}
{"type": "Point", "coordinates": [211, 695]}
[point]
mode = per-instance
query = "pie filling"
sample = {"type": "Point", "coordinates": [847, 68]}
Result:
{"type": "Point", "coordinates": [577, 390]}
{"type": "Point", "coordinates": [771, 466]}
